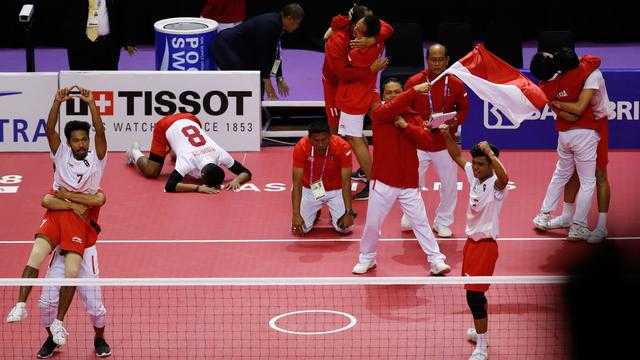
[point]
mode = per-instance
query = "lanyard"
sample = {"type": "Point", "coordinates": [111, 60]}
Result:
{"type": "Point", "coordinates": [444, 95]}
{"type": "Point", "coordinates": [324, 162]}
{"type": "Point", "coordinates": [279, 47]}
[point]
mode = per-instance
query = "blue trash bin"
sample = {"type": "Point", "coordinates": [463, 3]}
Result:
{"type": "Point", "coordinates": [184, 44]}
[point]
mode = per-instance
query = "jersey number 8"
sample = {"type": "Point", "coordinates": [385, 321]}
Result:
{"type": "Point", "coordinates": [192, 134]}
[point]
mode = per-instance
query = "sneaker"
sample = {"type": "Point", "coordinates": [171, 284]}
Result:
{"type": "Point", "coordinates": [442, 231]}
{"type": "Point", "coordinates": [102, 348]}
{"type": "Point", "coordinates": [472, 335]}
{"type": "Point", "coordinates": [47, 349]}
{"type": "Point", "coordinates": [597, 235]}
{"type": "Point", "coordinates": [130, 158]}
{"type": "Point", "coordinates": [405, 225]}
{"type": "Point", "coordinates": [363, 194]}
{"type": "Point", "coordinates": [440, 268]}
{"type": "Point", "coordinates": [558, 222]}
{"type": "Point", "coordinates": [17, 313]}
{"type": "Point", "coordinates": [541, 221]}
{"type": "Point", "coordinates": [578, 232]}
{"type": "Point", "coordinates": [479, 355]}
{"type": "Point", "coordinates": [59, 332]}
{"type": "Point", "coordinates": [359, 175]}
{"type": "Point", "coordinates": [363, 267]}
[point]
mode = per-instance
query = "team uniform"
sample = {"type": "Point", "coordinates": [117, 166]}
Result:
{"type": "Point", "coordinates": [446, 95]}
{"type": "Point", "coordinates": [65, 228]}
{"type": "Point", "coordinates": [483, 226]}
{"type": "Point", "coordinates": [599, 104]}
{"type": "Point", "coordinates": [326, 168]}
{"type": "Point", "coordinates": [577, 141]}
{"type": "Point", "coordinates": [395, 177]}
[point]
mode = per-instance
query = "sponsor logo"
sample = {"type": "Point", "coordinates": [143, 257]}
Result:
{"type": "Point", "coordinates": [7, 93]}
{"type": "Point", "coordinates": [77, 239]}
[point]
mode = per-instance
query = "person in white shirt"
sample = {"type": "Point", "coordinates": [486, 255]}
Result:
{"type": "Point", "coordinates": [197, 155]}
{"type": "Point", "coordinates": [72, 223]}
{"type": "Point", "coordinates": [599, 103]}
{"type": "Point", "coordinates": [488, 181]}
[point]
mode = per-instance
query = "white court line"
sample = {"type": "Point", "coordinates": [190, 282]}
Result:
{"type": "Point", "coordinates": [304, 240]}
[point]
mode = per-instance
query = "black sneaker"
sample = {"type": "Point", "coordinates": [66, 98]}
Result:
{"type": "Point", "coordinates": [47, 349]}
{"type": "Point", "coordinates": [359, 175]}
{"type": "Point", "coordinates": [363, 194]}
{"type": "Point", "coordinates": [102, 348]}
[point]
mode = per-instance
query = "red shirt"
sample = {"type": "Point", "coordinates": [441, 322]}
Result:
{"type": "Point", "coordinates": [567, 88]}
{"type": "Point", "coordinates": [395, 161]}
{"type": "Point", "coordinates": [224, 11]}
{"type": "Point", "coordinates": [454, 100]}
{"type": "Point", "coordinates": [338, 157]}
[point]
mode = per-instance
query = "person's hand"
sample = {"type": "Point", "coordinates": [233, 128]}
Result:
{"type": "Point", "coordinates": [207, 190]}
{"type": "Point", "coordinates": [362, 42]}
{"type": "Point", "coordinates": [268, 89]}
{"type": "Point", "coordinates": [62, 95]}
{"type": "Point", "coordinates": [86, 95]}
{"type": "Point", "coordinates": [423, 88]}
{"type": "Point", "coordinates": [400, 122]}
{"type": "Point", "coordinates": [132, 50]}
{"type": "Point", "coordinates": [380, 64]}
{"type": "Point", "coordinates": [79, 209]}
{"type": "Point", "coordinates": [444, 130]}
{"type": "Point", "coordinates": [233, 185]}
{"type": "Point", "coordinates": [484, 146]}
{"type": "Point", "coordinates": [347, 220]}
{"type": "Point", "coordinates": [62, 193]}
{"type": "Point", "coordinates": [283, 88]}
{"type": "Point", "coordinates": [297, 224]}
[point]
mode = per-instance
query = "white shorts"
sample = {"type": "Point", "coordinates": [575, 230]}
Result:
{"type": "Point", "coordinates": [309, 206]}
{"type": "Point", "coordinates": [350, 125]}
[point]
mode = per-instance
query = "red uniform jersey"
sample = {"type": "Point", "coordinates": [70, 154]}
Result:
{"type": "Point", "coordinates": [338, 156]}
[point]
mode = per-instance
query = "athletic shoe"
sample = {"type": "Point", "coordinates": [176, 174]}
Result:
{"type": "Point", "coordinates": [102, 348]}
{"type": "Point", "coordinates": [558, 222]}
{"type": "Point", "coordinates": [17, 313]}
{"type": "Point", "coordinates": [47, 349]}
{"type": "Point", "coordinates": [472, 335]}
{"type": "Point", "coordinates": [363, 267]}
{"type": "Point", "coordinates": [440, 268]}
{"type": "Point", "coordinates": [405, 225]}
{"type": "Point", "coordinates": [59, 332]}
{"type": "Point", "coordinates": [578, 232]}
{"type": "Point", "coordinates": [130, 158]}
{"type": "Point", "coordinates": [442, 231]}
{"type": "Point", "coordinates": [363, 194]}
{"type": "Point", "coordinates": [359, 175]}
{"type": "Point", "coordinates": [541, 221]}
{"type": "Point", "coordinates": [597, 235]}
{"type": "Point", "coordinates": [479, 355]}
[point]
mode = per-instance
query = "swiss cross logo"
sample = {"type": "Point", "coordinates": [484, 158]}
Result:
{"type": "Point", "coordinates": [104, 102]}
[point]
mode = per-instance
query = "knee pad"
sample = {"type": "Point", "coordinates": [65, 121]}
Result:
{"type": "Point", "coordinates": [478, 304]}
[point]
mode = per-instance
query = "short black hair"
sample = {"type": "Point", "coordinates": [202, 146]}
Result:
{"type": "Point", "coordinates": [358, 12]}
{"type": "Point", "coordinates": [212, 175]}
{"type": "Point", "coordinates": [543, 66]}
{"type": "Point", "coordinates": [74, 125]}
{"type": "Point", "coordinates": [477, 152]}
{"type": "Point", "coordinates": [390, 80]}
{"type": "Point", "coordinates": [373, 25]}
{"type": "Point", "coordinates": [566, 59]}
{"type": "Point", "coordinates": [319, 126]}
{"type": "Point", "coordinates": [293, 10]}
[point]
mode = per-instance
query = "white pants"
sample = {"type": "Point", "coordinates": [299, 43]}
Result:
{"type": "Point", "coordinates": [91, 295]}
{"type": "Point", "coordinates": [351, 125]}
{"type": "Point", "coordinates": [577, 150]}
{"type": "Point", "coordinates": [309, 206]}
{"type": "Point", "coordinates": [448, 173]}
{"type": "Point", "coordinates": [381, 199]}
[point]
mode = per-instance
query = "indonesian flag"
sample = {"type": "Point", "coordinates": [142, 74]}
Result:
{"type": "Point", "coordinates": [499, 83]}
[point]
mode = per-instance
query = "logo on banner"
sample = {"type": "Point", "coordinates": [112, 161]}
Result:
{"type": "Point", "coordinates": [19, 129]}
{"type": "Point", "coordinates": [7, 93]}
{"type": "Point", "coordinates": [495, 119]}
{"type": "Point", "coordinates": [103, 100]}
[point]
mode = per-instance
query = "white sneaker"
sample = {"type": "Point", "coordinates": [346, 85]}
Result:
{"type": "Point", "coordinates": [17, 313]}
{"type": "Point", "coordinates": [405, 225]}
{"type": "Point", "coordinates": [130, 158]}
{"type": "Point", "coordinates": [597, 235]}
{"type": "Point", "coordinates": [440, 268]}
{"type": "Point", "coordinates": [558, 222]}
{"type": "Point", "coordinates": [541, 221]}
{"type": "Point", "coordinates": [363, 267]}
{"type": "Point", "coordinates": [578, 232]}
{"type": "Point", "coordinates": [479, 355]}
{"type": "Point", "coordinates": [59, 332]}
{"type": "Point", "coordinates": [442, 231]}
{"type": "Point", "coordinates": [472, 335]}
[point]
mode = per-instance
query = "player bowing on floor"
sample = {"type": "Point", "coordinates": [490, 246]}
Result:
{"type": "Point", "coordinates": [487, 189]}
{"type": "Point", "coordinates": [197, 155]}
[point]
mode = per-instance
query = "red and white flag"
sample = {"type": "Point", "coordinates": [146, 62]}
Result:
{"type": "Point", "coordinates": [499, 83]}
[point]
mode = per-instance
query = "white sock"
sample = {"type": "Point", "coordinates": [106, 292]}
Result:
{"type": "Point", "coordinates": [482, 342]}
{"type": "Point", "coordinates": [602, 221]}
{"type": "Point", "coordinates": [137, 154]}
{"type": "Point", "coordinates": [567, 210]}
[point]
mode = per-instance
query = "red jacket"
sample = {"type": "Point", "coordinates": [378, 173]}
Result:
{"type": "Point", "coordinates": [567, 87]}
{"type": "Point", "coordinates": [395, 161]}
{"type": "Point", "coordinates": [455, 100]}
{"type": "Point", "coordinates": [336, 49]}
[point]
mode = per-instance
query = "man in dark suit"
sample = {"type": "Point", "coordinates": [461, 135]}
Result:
{"type": "Point", "coordinates": [95, 30]}
{"type": "Point", "coordinates": [255, 45]}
